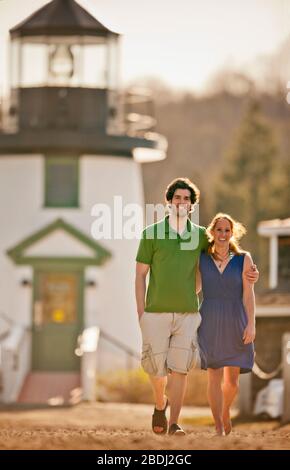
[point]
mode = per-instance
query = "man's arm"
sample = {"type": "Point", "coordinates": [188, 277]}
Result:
{"type": "Point", "coordinates": [251, 273]}
{"type": "Point", "coordinates": [140, 286]}
{"type": "Point", "coordinates": [198, 283]}
{"type": "Point", "coordinates": [249, 302]}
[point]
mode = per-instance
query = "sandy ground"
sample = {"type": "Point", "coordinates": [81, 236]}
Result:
{"type": "Point", "coordinates": [126, 426]}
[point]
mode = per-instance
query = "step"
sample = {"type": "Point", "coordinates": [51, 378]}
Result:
{"type": "Point", "coordinates": [51, 388]}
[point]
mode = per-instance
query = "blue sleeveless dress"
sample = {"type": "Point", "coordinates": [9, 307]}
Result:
{"type": "Point", "coordinates": [224, 318]}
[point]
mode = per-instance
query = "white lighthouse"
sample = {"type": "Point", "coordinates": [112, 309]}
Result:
{"type": "Point", "coordinates": [64, 148]}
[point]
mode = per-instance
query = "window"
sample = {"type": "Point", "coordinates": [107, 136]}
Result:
{"type": "Point", "coordinates": [61, 181]}
{"type": "Point", "coordinates": [284, 263]}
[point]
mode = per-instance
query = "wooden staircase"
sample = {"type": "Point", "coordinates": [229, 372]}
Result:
{"type": "Point", "coordinates": [51, 389]}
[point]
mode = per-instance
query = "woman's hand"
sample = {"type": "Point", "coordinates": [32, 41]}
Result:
{"type": "Point", "coordinates": [249, 333]}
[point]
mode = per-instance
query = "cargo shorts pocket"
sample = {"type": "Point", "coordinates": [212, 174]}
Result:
{"type": "Point", "coordinates": [147, 361]}
{"type": "Point", "coordinates": [194, 360]}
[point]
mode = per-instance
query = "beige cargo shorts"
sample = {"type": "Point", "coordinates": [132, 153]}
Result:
{"type": "Point", "coordinates": [169, 342]}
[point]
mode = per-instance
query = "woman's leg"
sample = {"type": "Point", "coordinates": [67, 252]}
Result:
{"type": "Point", "coordinates": [230, 390]}
{"type": "Point", "coordinates": [215, 397]}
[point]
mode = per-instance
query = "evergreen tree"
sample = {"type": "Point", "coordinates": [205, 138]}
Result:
{"type": "Point", "coordinates": [252, 184]}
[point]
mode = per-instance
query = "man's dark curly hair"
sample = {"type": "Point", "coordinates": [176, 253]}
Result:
{"type": "Point", "coordinates": [182, 183]}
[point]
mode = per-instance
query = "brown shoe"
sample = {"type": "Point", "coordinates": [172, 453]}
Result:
{"type": "Point", "coordinates": [176, 430]}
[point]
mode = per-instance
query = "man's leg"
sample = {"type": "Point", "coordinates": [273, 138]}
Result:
{"type": "Point", "coordinates": [158, 386]}
{"type": "Point", "coordinates": [176, 390]}
{"type": "Point", "coordinates": [215, 397]}
{"type": "Point", "coordinates": [230, 390]}
{"type": "Point", "coordinates": [155, 328]}
{"type": "Point", "coordinates": [182, 356]}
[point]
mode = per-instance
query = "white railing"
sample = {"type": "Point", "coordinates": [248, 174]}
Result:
{"type": "Point", "coordinates": [5, 325]}
{"type": "Point", "coordinates": [87, 350]}
{"type": "Point", "coordinates": [15, 357]}
{"type": "Point", "coordinates": [269, 400]}
{"type": "Point", "coordinates": [88, 343]}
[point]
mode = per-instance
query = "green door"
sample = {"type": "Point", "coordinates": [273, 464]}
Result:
{"type": "Point", "coordinates": [57, 319]}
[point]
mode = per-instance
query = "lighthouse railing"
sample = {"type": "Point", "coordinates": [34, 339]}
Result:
{"type": "Point", "coordinates": [131, 112]}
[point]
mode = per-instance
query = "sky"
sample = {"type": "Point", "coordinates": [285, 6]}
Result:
{"type": "Point", "coordinates": [181, 42]}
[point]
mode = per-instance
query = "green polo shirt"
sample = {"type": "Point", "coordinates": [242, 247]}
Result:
{"type": "Point", "coordinates": [173, 259]}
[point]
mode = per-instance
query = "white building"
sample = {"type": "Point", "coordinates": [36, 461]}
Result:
{"type": "Point", "coordinates": [273, 316]}
{"type": "Point", "coordinates": [278, 232]}
{"type": "Point", "coordinates": [64, 147]}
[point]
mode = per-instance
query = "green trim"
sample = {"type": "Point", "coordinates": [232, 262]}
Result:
{"type": "Point", "coordinates": [100, 254]}
{"type": "Point", "coordinates": [71, 160]}
{"type": "Point", "coordinates": [71, 262]}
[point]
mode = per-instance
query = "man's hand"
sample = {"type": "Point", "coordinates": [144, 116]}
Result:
{"type": "Point", "coordinates": [252, 275]}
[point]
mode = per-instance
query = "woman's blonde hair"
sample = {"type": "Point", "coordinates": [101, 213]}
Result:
{"type": "Point", "coordinates": [237, 228]}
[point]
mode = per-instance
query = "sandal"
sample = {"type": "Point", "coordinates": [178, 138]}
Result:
{"type": "Point", "coordinates": [176, 430]}
{"type": "Point", "coordinates": [159, 419]}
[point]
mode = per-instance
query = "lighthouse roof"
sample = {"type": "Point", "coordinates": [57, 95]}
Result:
{"type": "Point", "coordinates": [60, 18]}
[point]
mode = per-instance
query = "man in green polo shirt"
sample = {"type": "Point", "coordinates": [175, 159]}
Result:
{"type": "Point", "coordinates": [169, 319]}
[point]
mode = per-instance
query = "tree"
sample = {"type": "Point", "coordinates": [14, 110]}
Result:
{"type": "Point", "coordinates": [252, 185]}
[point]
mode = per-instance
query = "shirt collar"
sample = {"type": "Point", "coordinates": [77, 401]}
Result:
{"type": "Point", "coordinates": [189, 224]}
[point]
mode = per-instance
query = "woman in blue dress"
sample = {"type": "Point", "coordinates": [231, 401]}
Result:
{"type": "Point", "coordinates": [227, 328]}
